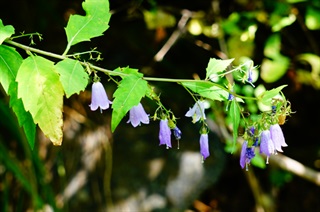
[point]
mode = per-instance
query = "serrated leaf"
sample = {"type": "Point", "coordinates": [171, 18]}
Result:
{"type": "Point", "coordinates": [5, 31]}
{"type": "Point", "coordinates": [215, 66]}
{"type": "Point", "coordinates": [24, 118]}
{"type": "Point", "coordinates": [42, 95]}
{"type": "Point", "coordinates": [128, 94]}
{"type": "Point", "coordinates": [266, 97]}
{"type": "Point", "coordinates": [234, 113]}
{"type": "Point", "coordinates": [10, 61]}
{"type": "Point", "coordinates": [128, 70]}
{"type": "Point", "coordinates": [93, 24]}
{"type": "Point", "coordinates": [207, 90]}
{"type": "Point", "coordinates": [72, 76]}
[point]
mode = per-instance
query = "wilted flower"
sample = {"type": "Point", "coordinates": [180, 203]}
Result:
{"type": "Point", "coordinates": [277, 137]}
{"type": "Point", "coordinates": [165, 133]}
{"type": "Point", "coordinates": [266, 144]}
{"type": "Point", "coordinates": [247, 153]}
{"type": "Point", "coordinates": [204, 146]}
{"type": "Point", "coordinates": [197, 111]}
{"type": "Point", "coordinates": [177, 133]}
{"type": "Point", "coordinates": [137, 115]}
{"type": "Point", "coordinates": [99, 97]}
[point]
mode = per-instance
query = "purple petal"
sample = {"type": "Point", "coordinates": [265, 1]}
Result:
{"type": "Point", "coordinates": [165, 133]}
{"type": "Point", "coordinates": [204, 146]}
{"type": "Point", "coordinates": [243, 157]}
{"type": "Point", "coordinates": [138, 115]}
{"type": "Point", "coordinates": [277, 137]}
{"type": "Point", "coordinates": [266, 145]}
{"type": "Point", "coordinates": [99, 97]}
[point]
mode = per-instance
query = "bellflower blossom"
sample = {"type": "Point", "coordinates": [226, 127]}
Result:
{"type": "Point", "coordinates": [197, 111]}
{"type": "Point", "coordinates": [247, 153]}
{"type": "Point", "coordinates": [277, 137]}
{"type": "Point", "coordinates": [138, 115]}
{"type": "Point", "coordinates": [165, 133]}
{"type": "Point", "coordinates": [204, 146]}
{"type": "Point", "coordinates": [266, 144]}
{"type": "Point", "coordinates": [177, 133]}
{"type": "Point", "coordinates": [99, 97]}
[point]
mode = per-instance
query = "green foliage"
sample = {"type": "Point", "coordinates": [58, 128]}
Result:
{"type": "Point", "coordinates": [42, 95]}
{"type": "Point", "coordinates": [216, 66]}
{"type": "Point", "coordinates": [208, 90]}
{"type": "Point", "coordinates": [5, 31]}
{"type": "Point", "coordinates": [96, 21]}
{"type": "Point", "coordinates": [72, 76]}
{"type": "Point", "coordinates": [10, 61]}
{"type": "Point", "coordinates": [235, 117]}
{"type": "Point", "coordinates": [266, 97]}
{"type": "Point", "coordinates": [129, 93]}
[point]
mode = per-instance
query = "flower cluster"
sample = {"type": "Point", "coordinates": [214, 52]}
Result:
{"type": "Point", "coordinates": [271, 142]}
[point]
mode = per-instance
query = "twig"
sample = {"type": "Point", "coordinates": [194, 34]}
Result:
{"type": "Point", "coordinates": [186, 14]}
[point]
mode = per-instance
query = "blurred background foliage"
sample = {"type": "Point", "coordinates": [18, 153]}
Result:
{"type": "Point", "coordinates": [95, 169]}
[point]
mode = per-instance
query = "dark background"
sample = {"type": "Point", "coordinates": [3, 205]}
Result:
{"type": "Point", "coordinates": [128, 42]}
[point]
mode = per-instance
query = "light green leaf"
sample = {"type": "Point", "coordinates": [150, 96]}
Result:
{"type": "Point", "coordinates": [207, 90]}
{"type": "Point", "coordinates": [274, 68]}
{"type": "Point", "coordinates": [266, 97]}
{"type": "Point", "coordinates": [128, 70]}
{"type": "Point", "coordinates": [258, 161]}
{"type": "Point", "coordinates": [215, 66]}
{"type": "Point", "coordinates": [128, 94]}
{"type": "Point", "coordinates": [312, 18]}
{"type": "Point", "coordinates": [10, 61]}
{"type": "Point", "coordinates": [72, 76]}
{"type": "Point", "coordinates": [93, 24]}
{"type": "Point", "coordinates": [5, 31]}
{"type": "Point", "coordinates": [235, 117]}
{"type": "Point", "coordinates": [42, 95]}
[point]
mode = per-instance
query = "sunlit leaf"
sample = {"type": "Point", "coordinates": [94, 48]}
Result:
{"type": "Point", "coordinates": [312, 18]}
{"type": "Point", "coordinates": [128, 71]}
{"type": "Point", "coordinates": [266, 97]}
{"type": "Point", "coordinates": [215, 66]}
{"type": "Point", "coordinates": [258, 161]}
{"type": "Point", "coordinates": [207, 90]}
{"type": "Point", "coordinates": [93, 24]}
{"type": "Point", "coordinates": [128, 94]}
{"type": "Point", "coordinates": [40, 89]}
{"type": "Point", "coordinates": [10, 61]}
{"type": "Point", "coordinates": [158, 18]}
{"type": "Point", "coordinates": [234, 113]}
{"type": "Point", "coordinates": [5, 31]}
{"type": "Point", "coordinates": [72, 76]}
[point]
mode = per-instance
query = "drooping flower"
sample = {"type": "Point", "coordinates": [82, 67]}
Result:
{"type": "Point", "coordinates": [247, 153]}
{"type": "Point", "coordinates": [99, 97]}
{"type": "Point", "coordinates": [177, 133]}
{"type": "Point", "coordinates": [266, 144]}
{"type": "Point", "coordinates": [277, 137]}
{"type": "Point", "coordinates": [204, 146]}
{"type": "Point", "coordinates": [138, 115]}
{"type": "Point", "coordinates": [165, 133]}
{"type": "Point", "coordinates": [196, 112]}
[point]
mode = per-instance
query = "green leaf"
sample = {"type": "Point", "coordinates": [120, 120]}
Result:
{"type": "Point", "coordinates": [128, 70]}
{"type": "Point", "coordinates": [215, 66]}
{"type": "Point", "coordinates": [207, 90]}
{"type": "Point", "coordinates": [128, 94]}
{"type": "Point", "coordinates": [266, 97]}
{"type": "Point", "coordinates": [235, 117]}
{"type": "Point", "coordinates": [93, 24]}
{"type": "Point", "coordinates": [312, 18]}
{"type": "Point", "coordinates": [72, 76]}
{"type": "Point", "coordinates": [5, 31]}
{"type": "Point", "coordinates": [42, 95]}
{"type": "Point", "coordinates": [10, 61]}
{"type": "Point", "coordinates": [258, 161]}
